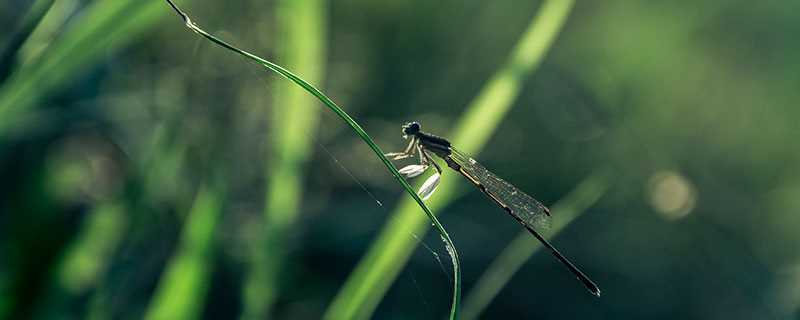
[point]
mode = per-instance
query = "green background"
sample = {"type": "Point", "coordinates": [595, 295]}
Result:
{"type": "Point", "coordinates": [147, 173]}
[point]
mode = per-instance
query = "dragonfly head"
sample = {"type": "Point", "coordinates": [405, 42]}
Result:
{"type": "Point", "coordinates": [410, 129]}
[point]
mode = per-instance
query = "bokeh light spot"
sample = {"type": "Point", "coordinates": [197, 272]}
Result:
{"type": "Point", "coordinates": [671, 194]}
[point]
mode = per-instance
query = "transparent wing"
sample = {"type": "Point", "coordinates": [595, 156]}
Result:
{"type": "Point", "coordinates": [523, 207]}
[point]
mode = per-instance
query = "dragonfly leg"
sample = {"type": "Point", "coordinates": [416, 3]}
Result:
{"type": "Point", "coordinates": [398, 155]}
{"type": "Point", "coordinates": [407, 153]}
{"type": "Point", "coordinates": [424, 156]}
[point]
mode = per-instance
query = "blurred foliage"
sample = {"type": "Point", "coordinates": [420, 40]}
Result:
{"type": "Point", "coordinates": [302, 26]}
{"type": "Point", "coordinates": [116, 124]}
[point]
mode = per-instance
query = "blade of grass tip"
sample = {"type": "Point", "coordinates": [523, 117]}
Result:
{"type": "Point", "coordinates": [389, 253]}
{"type": "Point", "coordinates": [302, 24]}
{"type": "Point", "coordinates": [511, 259]}
{"type": "Point", "coordinates": [105, 26]}
{"type": "Point", "coordinates": [361, 133]}
{"type": "Point", "coordinates": [183, 286]}
{"type": "Point", "coordinates": [8, 59]}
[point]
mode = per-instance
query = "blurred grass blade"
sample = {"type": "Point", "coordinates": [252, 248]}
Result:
{"type": "Point", "coordinates": [294, 119]}
{"type": "Point", "coordinates": [390, 252]}
{"type": "Point", "coordinates": [87, 258]}
{"type": "Point", "coordinates": [511, 259]}
{"type": "Point", "coordinates": [183, 286]}
{"type": "Point", "coordinates": [159, 170]}
{"type": "Point", "coordinates": [85, 264]}
{"type": "Point", "coordinates": [361, 133]}
{"type": "Point", "coordinates": [52, 26]}
{"type": "Point", "coordinates": [8, 58]}
{"type": "Point", "coordinates": [85, 261]}
{"type": "Point", "coordinates": [105, 25]}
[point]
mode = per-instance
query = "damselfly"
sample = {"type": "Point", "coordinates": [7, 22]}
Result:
{"type": "Point", "coordinates": [525, 209]}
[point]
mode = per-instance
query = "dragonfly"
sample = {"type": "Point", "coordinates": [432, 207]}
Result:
{"type": "Point", "coordinates": [529, 212]}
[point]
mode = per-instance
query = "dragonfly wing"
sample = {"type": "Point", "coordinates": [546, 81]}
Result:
{"type": "Point", "coordinates": [523, 207]}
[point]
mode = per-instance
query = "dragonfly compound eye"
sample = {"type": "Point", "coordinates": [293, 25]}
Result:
{"type": "Point", "coordinates": [411, 128]}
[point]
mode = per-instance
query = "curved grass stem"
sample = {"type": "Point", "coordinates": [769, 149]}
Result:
{"type": "Point", "coordinates": [358, 129]}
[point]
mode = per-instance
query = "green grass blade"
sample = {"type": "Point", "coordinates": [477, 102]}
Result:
{"type": "Point", "coordinates": [88, 257]}
{"type": "Point", "coordinates": [85, 261]}
{"type": "Point", "coordinates": [48, 31]}
{"type": "Point", "coordinates": [294, 119]}
{"type": "Point", "coordinates": [91, 254]}
{"type": "Point", "coordinates": [8, 58]}
{"type": "Point", "coordinates": [361, 133]}
{"type": "Point", "coordinates": [185, 282]}
{"type": "Point", "coordinates": [106, 25]}
{"type": "Point", "coordinates": [511, 259]}
{"type": "Point", "coordinates": [389, 253]}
